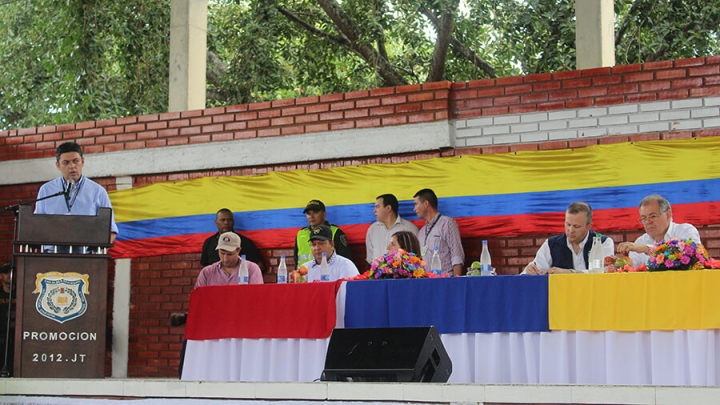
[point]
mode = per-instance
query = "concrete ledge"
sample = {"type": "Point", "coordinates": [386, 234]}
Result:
{"type": "Point", "coordinates": [15, 390]}
{"type": "Point", "coordinates": [310, 147]}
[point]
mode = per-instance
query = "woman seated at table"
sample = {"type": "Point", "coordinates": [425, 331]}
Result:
{"type": "Point", "coordinates": [404, 240]}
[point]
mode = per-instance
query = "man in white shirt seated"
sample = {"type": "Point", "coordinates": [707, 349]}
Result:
{"type": "Point", "coordinates": [569, 252]}
{"type": "Point", "coordinates": [656, 217]}
{"type": "Point", "coordinates": [321, 240]}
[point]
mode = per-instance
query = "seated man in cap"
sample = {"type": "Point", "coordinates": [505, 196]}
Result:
{"type": "Point", "coordinates": [226, 270]}
{"type": "Point", "coordinates": [315, 215]}
{"type": "Point", "coordinates": [223, 272]}
{"type": "Point", "coordinates": [321, 241]}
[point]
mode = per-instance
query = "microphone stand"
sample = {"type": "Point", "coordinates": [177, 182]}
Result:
{"type": "Point", "coordinates": [5, 372]}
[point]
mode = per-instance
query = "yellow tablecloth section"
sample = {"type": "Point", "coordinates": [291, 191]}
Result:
{"type": "Point", "coordinates": [668, 300]}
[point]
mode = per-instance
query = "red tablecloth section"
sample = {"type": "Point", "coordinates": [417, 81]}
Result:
{"type": "Point", "coordinates": [290, 311]}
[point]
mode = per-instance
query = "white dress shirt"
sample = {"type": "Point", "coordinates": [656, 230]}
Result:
{"type": "Point", "coordinates": [543, 258]}
{"type": "Point", "coordinates": [682, 231]}
{"type": "Point", "coordinates": [378, 237]}
{"type": "Point", "coordinates": [340, 267]}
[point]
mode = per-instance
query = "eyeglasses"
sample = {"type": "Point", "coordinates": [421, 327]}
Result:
{"type": "Point", "coordinates": [650, 218]}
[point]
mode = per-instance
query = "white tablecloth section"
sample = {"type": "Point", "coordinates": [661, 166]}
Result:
{"type": "Point", "coordinates": [254, 359]}
{"type": "Point", "coordinates": [260, 359]}
{"type": "Point", "coordinates": [559, 357]}
{"type": "Point", "coordinates": [605, 358]}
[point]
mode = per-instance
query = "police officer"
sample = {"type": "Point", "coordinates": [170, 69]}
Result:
{"type": "Point", "coordinates": [315, 214]}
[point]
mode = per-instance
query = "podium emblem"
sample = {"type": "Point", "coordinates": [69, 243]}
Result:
{"type": "Point", "coordinates": [62, 295]}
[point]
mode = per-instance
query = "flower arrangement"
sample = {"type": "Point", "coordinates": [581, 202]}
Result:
{"type": "Point", "coordinates": [678, 254]}
{"type": "Point", "coordinates": [398, 264]}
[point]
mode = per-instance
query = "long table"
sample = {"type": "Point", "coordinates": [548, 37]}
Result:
{"type": "Point", "coordinates": [497, 330]}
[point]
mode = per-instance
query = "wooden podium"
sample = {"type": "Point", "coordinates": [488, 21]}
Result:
{"type": "Point", "coordinates": [61, 294]}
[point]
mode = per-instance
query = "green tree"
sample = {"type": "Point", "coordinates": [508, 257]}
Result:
{"type": "Point", "coordinates": [651, 30]}
{"type": "Point", "coordinates": [76, 60]}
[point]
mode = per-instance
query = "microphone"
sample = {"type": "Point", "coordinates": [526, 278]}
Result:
{"type": "Point", "coordinates": [70, 185]}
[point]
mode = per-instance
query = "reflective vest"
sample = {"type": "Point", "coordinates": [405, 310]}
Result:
{"type": "Point", "coordinates": [303, 244]}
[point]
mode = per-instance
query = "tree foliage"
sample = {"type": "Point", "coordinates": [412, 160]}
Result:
{"type": "Point", "coordinates": [77, 60]}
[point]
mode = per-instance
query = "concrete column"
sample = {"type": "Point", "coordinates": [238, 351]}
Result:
{"type": "Point", "coordinates": [121, 305]}
{"type": "Point", "coordinates": [188, 50]}
{"type": "Point", "coordinates": [594, 33]}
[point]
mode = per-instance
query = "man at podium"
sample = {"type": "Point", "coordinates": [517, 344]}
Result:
{"type": "Point", "coordinates": [81, 196]}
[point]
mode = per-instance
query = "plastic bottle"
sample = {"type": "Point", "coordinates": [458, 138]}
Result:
{"type": "Point", "coordinates": [485, 260]}
{"type": "Point", "coordinates": [282, 271]}
{"type": "Point", "coordinates": [243, 276]}
{"type": "Point", "coordinates": [596, 256]}
{"type": "Point", "coordinates": [324, 269]}
{"type": "Point", "coordinates": [435, 263]}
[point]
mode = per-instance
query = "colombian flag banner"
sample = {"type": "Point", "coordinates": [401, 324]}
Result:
{"type": "Point", "coordinates": [511, 194]}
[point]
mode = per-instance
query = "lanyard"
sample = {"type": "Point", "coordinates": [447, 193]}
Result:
{"type": "Point", "coordinates": [430, 228]}
{"type": "Point", "coordinates": [70, 202]}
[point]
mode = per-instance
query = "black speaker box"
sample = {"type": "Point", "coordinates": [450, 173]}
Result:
{"type": "Point", "coordinates": [387, 354]}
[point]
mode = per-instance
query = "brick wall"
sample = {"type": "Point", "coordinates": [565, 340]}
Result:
{"type": "Point", "coordinates": [360, 109]}
{"type": "Point", "coordinates": [639, 83]}
{"type": "Point", "coordinates": [665, 80]}
{"type": "Point", "coordinates": [522, 106]}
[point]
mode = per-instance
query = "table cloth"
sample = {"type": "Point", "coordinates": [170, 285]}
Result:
{"type": "Point", "coordinates": [497, 330]}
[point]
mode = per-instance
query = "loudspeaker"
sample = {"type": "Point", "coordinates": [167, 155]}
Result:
{"type": "Point", "coordinates": [387, 354]}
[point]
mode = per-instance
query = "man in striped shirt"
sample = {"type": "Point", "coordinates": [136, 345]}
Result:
{"type": "Point", "coordinates": [441, 231]}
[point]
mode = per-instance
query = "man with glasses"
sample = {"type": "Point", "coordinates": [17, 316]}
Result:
{"type": "Point", "coordinates": [656, 217]}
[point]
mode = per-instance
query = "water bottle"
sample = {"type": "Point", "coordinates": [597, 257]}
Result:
{"type": "Point", "coordinates": [596, 256]}
{"type": "Point", "coordinates": [485, 261]}
{"type": "Point", "coordinates": [435, 263]}
{"type": "Point", "coordinates": [324, 269]}
{"type": "Point", "coordinates": [243, 276]}
{"type": "Point", "coordinates": [282, 271]}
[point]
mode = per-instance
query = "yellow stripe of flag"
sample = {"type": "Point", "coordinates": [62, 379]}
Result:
{"type": "Point", "coordinates": [670, 300]}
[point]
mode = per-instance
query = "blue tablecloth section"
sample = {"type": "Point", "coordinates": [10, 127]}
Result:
{"type": "Point", "coordinates": [452, 305]}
